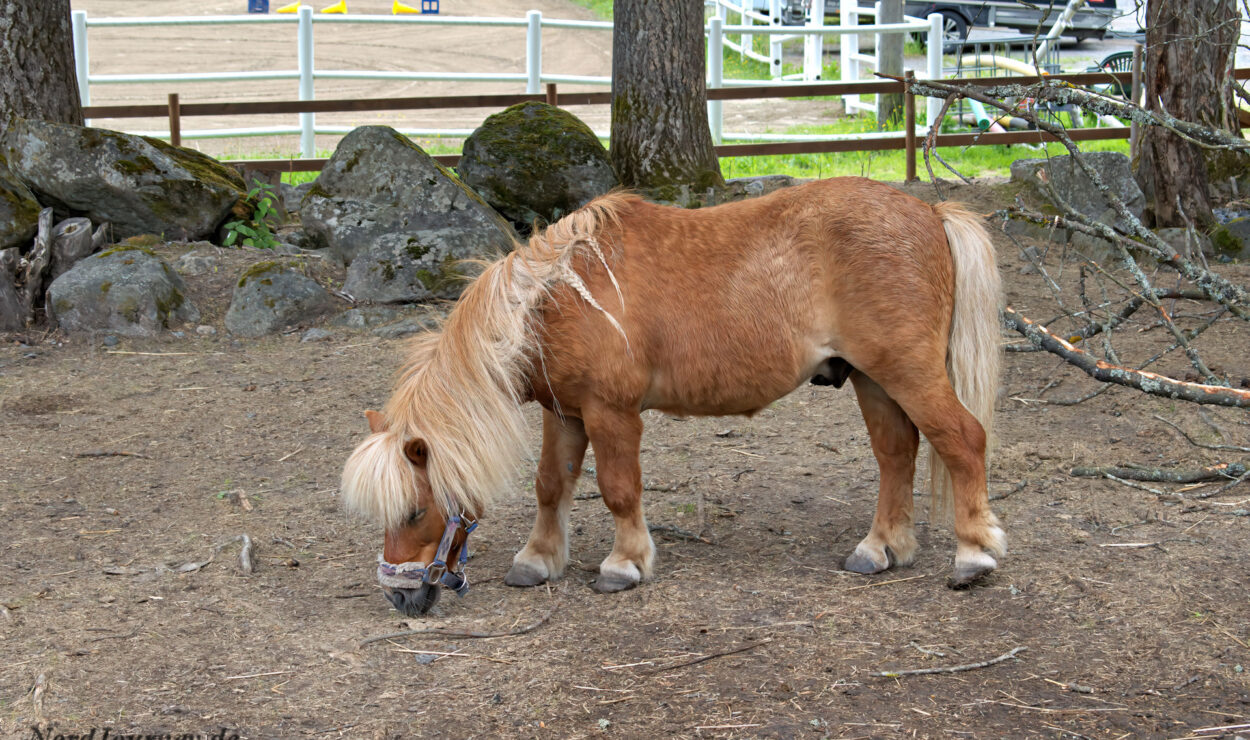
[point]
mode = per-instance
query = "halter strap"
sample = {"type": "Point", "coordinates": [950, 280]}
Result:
{"type": "Point", "coordinates": [414, 575]}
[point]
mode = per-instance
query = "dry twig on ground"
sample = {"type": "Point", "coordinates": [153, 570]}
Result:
{"type": "Point", "coordinates": [951, 669]}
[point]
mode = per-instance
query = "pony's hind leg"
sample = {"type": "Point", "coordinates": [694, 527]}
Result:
{"type": "Point", "coordinates": [616, 437]}
{"type": "Point", "coordinates": [892, 539]}
{"type": "Point", "coordinates": [545, 554]}
{"type": "Point", "coordinates": [959, 439]}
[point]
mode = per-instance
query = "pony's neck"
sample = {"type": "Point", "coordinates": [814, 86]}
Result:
{"type": "Point", "coordinates": [462, 388]}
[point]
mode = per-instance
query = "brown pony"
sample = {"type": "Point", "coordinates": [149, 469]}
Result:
{"type": "Point", "coordinates": [626, 305]}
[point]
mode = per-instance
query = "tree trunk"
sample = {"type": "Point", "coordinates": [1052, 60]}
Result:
{"type": "Point", "coordinates": [890, 52]}
{"type": "Point", "coordinates": [660, 134]}
{"type": "Point", "coordinates": [1188, 65]}
{"type": "Point", "coordinates": [37, 59]}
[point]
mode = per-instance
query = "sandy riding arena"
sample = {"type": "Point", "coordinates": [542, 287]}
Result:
{"type": "Point", "coordinates": [132, 469]}
{"type": "Point", "coordinates": [443, 49]}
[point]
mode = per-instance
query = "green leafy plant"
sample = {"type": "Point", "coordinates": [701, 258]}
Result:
{"type": "Point", "coordinates": [255, 232]}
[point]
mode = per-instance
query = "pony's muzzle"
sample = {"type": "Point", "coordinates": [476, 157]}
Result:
{"type": "Point", "coordinates": [413, 602]}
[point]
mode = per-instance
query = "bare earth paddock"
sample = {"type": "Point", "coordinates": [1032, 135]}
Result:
{"type": "Point", "coordinates": [1131, 610]}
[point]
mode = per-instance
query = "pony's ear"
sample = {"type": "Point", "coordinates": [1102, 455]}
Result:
{"type": "Point", "coordinates": [415, 450]}
{"type": "Point", "coordinates": [377, 422]}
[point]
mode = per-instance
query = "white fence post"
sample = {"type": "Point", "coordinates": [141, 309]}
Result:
{"type": "Point", "coordinates": [81, 70]}
{"type": "Point", "coordinates": [937, 39]}
{"type": "Point", "coordinates": [307, 121]}
{"type": "Point", "coordinates": [716, 73]}
{"type": "Point", "coordinates": [814, 45]}
{"type": "Point", "coordinates": [747, 40]}
{"type": "Point", "coordinates": [848, 15]}
{"type": "Point", "coordinates": [774, 41]}
{"type": "Point", "coordinates": [534, 52]}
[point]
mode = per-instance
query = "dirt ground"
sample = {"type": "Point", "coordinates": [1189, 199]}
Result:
{"type": "Point", "coordinates": [128, 466]}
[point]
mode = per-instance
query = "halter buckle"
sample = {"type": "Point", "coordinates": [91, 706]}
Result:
{"type": "Point", "coordinates": [434, 573]}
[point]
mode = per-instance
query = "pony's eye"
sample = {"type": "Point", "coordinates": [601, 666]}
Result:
{"type": "Point", "coordinates": [415, 516]}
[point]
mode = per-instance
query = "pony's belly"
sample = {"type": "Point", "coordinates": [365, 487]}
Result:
{"type": "Point", "coordinates": [718, 395]}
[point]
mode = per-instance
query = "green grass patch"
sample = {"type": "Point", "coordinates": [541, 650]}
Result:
{"type": "Point", "coordinates": [601, 8]}
{"type": "Point", "coordinates": [433, 147]}
{"type": "Point", "coordinates": [973, 161]}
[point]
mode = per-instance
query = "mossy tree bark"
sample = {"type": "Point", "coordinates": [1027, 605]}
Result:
{"type": "Point", "coordinates": [660, 133]}
{"type": "Point", "coordinates": [37, 59]}
{"type": "Point", "coordinates": [1188, 67]}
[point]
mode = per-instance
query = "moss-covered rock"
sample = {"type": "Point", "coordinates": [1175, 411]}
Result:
{"type": "Point", "coordinates": [127, 290]}
{"type": "Point", "coordinates": [534, 163]}
{"type": "Point", "coordinates": [1232, 239]}
{"type": "Point", "coordinates": [381, 193]}
{"type": "Point", "coordinates": [1069, 181]}
{"type": "Point", "coordinates": [139, 185]}
{"type": "Point", "coordinates": [412, 267]}
{"type": "Point", "coordinates": [271, 296]}
{"type": "Point", "coordinates": [19, 211]}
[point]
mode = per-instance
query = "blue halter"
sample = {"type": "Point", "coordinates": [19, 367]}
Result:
{"type": "Point", "coordinates": [414, 575]}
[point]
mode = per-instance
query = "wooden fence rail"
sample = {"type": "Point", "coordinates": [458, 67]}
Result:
{"type": "Point", "coordinates": [175, 110]}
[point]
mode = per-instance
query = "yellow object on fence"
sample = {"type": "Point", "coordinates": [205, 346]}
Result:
{"type": "Point", "coordinates": [339, 7]}
{"type": "Point", "coordinates": [398, 8]}
{"type": "Point", "coordinates": [292, 8]}
{"type": "Point", "coordinates": [993, 60]}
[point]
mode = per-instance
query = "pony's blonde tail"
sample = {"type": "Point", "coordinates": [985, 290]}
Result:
{"type": "Point", "coordinates": [972, 352]}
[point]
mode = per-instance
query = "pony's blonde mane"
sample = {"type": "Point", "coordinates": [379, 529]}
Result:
{"type": "Point", "coordinates": [461, 388]}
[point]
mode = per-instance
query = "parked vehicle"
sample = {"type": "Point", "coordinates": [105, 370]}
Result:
{"type": "Point", "coordinates": [1090, 22]}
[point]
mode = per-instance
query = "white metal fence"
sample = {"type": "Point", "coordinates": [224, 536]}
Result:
{"type": "Point", "coordinates": [533, 77]}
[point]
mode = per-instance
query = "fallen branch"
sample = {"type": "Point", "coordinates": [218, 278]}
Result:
{"type": "Point", "coordinates": [464, 633]}
{"type": "Point", "coordinates": [1220, 289]}
{"type": "Point", "coordinates": [713, 656]}
{"type": "Point", "coordinates": [678, 532]}
{"type": "Point", "coordinates": [110, 453]}
{"type": "Point", "coordinates": [1222, 471]}
{"type": "Point", "coordinates": [1152, 383]}
{"type": "Point", "coordinates": [1196, 443]}
{"type": "Point", "coordinates": [951, 669]}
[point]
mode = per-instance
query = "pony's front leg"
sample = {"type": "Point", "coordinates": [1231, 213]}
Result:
{"type": "Point", "coordinates": [543, 558]}
{"type": "Point", "coordinates": [616, 437]}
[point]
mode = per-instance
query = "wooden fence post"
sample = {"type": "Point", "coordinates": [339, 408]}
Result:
{"type": "Point", "coordinates": [175, 120]}
{"type": "Point", "coordinates": [551, 94]}
{"type": "Point", "coordinates": [909, 125]}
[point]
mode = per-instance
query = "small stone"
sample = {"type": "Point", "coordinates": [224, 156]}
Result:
{"type": "Point", "coordinates": [178, 334]}
{"type": "Point", "coordinates": [316, 335]}
{"type": "Point", "coordinates": [399, 329]}
{"type": "Point", "coordinates": [205, 330]}
{"type": "Point", "coordinates": [110, 341]}
{"type": "Point", "coordinates": [426, 659]}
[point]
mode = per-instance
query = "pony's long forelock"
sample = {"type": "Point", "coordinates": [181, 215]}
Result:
{"type": "Point", "coordinates": [461, 388]}
{"type": "Point", "coordinates": [376, 483]}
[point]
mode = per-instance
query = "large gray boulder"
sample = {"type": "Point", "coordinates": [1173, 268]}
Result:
{"type": "Point", "coordinates": [417, 266]}
{"type": "Point", "coordinates": [137, 184]}
{"type": "Point", "coordinates": [272, 296]}
{"type": "Point", "coordinates": [535, 162]}
{"type": "Point", "coordinates": [19, 211]}
{"type": "Point", "coordinates": [127, 290]}
{"type": "Point", "coordinates": [1072, 185]}
{"type": "Point", "coordinates": [380, 192]}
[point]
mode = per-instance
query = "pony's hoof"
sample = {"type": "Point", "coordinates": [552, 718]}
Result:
{"type": "Point", "coordinates": [524, 575]}
{"type": "Point", "coordinates": [970, 568]}
{"type": "Point", "coordinates": [610, 583]}
{"type": "Point", "coordinates": [861, 561]}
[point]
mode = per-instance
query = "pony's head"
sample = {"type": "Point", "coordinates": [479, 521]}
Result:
{"type": "Point", "coordinates": [387, 481]}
